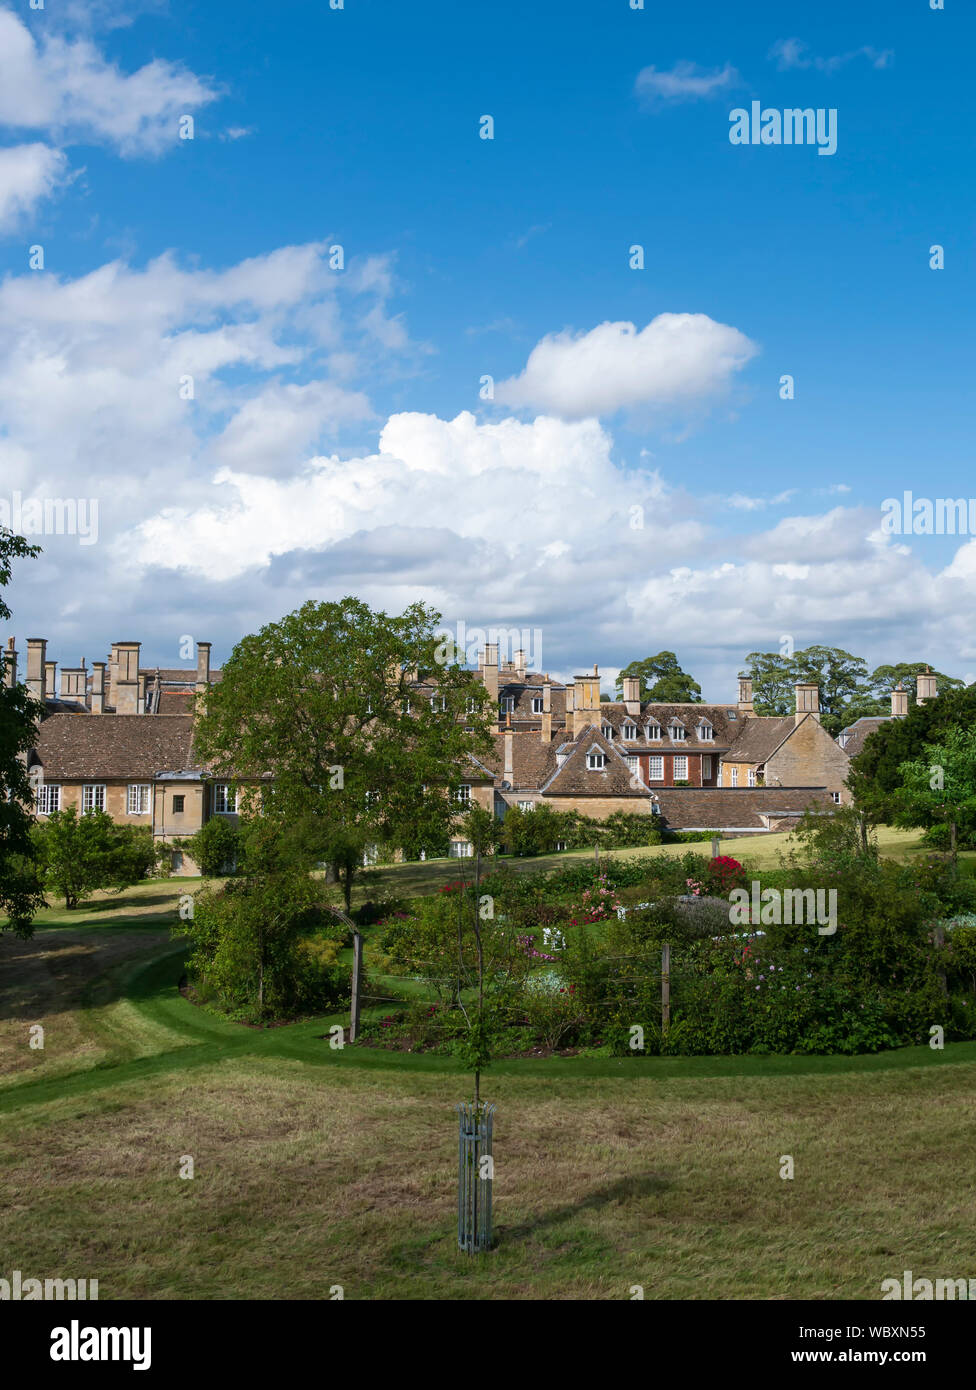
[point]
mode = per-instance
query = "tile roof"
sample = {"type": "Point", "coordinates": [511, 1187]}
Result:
{"type": "Point", "coordinates": [574, 778]}
{"type": "Point", "coordinates": [759, 737]}
{"type": "Point", "coordinates": [724, 720]}
{"type": "Point", "coordinates": [735, 808]}
{"type": "Point", "coordinates": [111, 746]}
{"type": "Point", "coordinates": [855, 734]}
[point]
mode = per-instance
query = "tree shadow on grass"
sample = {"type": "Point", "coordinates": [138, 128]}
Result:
{"type": "Point", "coordinates": [624, 1191]}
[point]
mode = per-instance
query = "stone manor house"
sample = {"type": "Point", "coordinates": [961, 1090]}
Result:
{"type": "Point", "coordinates": [119, 737]}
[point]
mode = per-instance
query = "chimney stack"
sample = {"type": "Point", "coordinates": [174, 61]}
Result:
{"type": "Point", "coordinates": [51, 680]}
{"type": "Point", "coordinates": [586, 701]}
{"type": "Point", "coordinates": [925, 686]}
{"type": "Point", "coordinates": [113, 673]}
{"type": "Point", "coordinates": [98, 687]}
{"type": "Point", "coordinates": [489, 675]}
{"type": "Point", "coordinates": [520, 664]}
{"type": "Point", "coordinates": [141, 703]}
{"type": "Point", "coordinates": [10, 665]}
{"type": "Point", "coordinates": [631, 686]}
{"type": "Point", "coordinates": [508, 775]}
{"type": "Point", "coordinates": [807, 701]}
{"type": "Point", "coordinates": [745, 696]}
{"type": "Point", "coordinates": [899, 702]}
{"type": "Point", "coordinates": [36, 666]}
{"type": "Point", "coordinates": [127, 677]}
{"type": "Point", "coordinates": [74, 685]}
{"type": "Point", "coordinates": [203, 667]}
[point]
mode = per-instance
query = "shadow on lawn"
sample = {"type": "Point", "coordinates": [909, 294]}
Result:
{"type": "Point", "coordinates": [624, 1190]}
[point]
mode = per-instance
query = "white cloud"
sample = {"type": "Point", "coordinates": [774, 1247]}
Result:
{"type": "Point", "coordinates": [677, 359]}
{"type": "Point", "coordinates": [65, 87]}
{"type": "Point", "coordinates": [794, 53]}
{"type": "Point", "coordinates": [28, 175]}
{"type": "Point", "coordinates": [684, 82]}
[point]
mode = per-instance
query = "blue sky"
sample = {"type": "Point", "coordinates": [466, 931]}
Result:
{"type": "Point", "coordinates": [360, 127]}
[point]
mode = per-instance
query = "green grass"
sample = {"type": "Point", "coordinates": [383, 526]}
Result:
{"type": "Point", "coordinates": [316, 1167]}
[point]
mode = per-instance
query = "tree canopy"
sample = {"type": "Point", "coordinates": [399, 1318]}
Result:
{"type": "Point", "coordinates": [321, 707]}
{"type": "Point", "coordinates": [662, 679]}
{"type": "Point", "coordinates": [20, 896]}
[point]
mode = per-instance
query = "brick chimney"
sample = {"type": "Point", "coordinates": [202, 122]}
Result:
{"type": "Point", "coordinates": [36, 652]}
{"type": "Point", "coordinates": [586, 701]}
{"type": "Point", "coordinates": [631, 686]}
{"type": "Point", "coordinates": [10, 665]}
{"type": "Point", "coordinates": [127, 677]}
{"type": "Point", "coordinates": [807, 701]}
{"type": "Point", "coordinates": [899, 702]}
{"type": "Point", "coordinates": [745, 696]}
{"type": "Point", "coordinates": [98, 687]}
{"type": "Point", "coordinates": [926, 686]}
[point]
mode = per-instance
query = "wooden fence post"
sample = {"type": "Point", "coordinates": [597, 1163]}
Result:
{"type": "Point", "coordinates": [357, 975]}
{"type": "Point", "coordinates": [665, 987]}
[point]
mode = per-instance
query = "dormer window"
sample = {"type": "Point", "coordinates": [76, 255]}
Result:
{"type": "Point", "coordinates": [706, 733]}
{"type": "Point", "coordinates": [596, 761]}
{"type": "Point", "coordinates": [508, 704]}
{"type": "Point", "coordinates": [537, 704]}
{"type": "Point", "coordinates": [630, 731]}
{"type": "Point", "coordinates": [652, 731]}
{"type": "Point", "coordinates": [677, 732]}
{"type": "Point", "coordinates": [607, 731]}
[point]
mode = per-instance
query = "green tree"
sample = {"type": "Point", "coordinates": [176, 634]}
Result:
{"type": "Point", "coordinates": [79, 854]}
{"type": "Point", "coordinates": [214, 847]}
{"type": "Point", "coordinates": [481, 829]}
{"type": "Point", "coordinates": [773, 677]}
{"type": "Point", "coordinates": [662, 679]}
{"type": "Point", "coordinates": [250, 937]}
{"type": "Point", "coordinates": [841, 678]}
{"type": "Point", "coordinates": [876, 773]}
{"type": "Point", "coordinates": [939, 788]}
{"type": "Point", "coordinates": [323, 702]}
{"type": "Point", "coordinates": [20, 895]}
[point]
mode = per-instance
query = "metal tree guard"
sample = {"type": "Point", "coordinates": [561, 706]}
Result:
{"type": "Point", "coordinates": [474, 1176]}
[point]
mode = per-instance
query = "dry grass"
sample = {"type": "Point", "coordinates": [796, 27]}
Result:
{"type": "Point", "coordinates": [307, 1179]}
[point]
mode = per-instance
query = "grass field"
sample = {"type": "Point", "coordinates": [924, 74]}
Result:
{"type": "Point", "coordinates": [315, 1167]}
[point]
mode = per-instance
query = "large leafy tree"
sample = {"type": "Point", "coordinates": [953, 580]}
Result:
{"type": "Point", "coordinates": [662, 679]}
{"type": "Point", "coordinates": [20, 894]}
{"type": "Point", "coordinates": [939, 788]}
{"type": "Point", "coordinates": [322, 707]}
{"type": "Point", "coordinates": [876, 773]}
{"type": "Point", "coordinates": [840, 676]}
{"type": "Point", "coordinates": [847, 691]}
